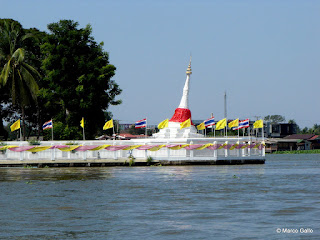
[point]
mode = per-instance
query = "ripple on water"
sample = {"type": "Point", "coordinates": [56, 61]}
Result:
{"type": "Point", "coordinates": [192, 202]}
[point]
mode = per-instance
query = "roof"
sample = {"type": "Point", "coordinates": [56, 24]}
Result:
{"type": "Point", "coordinates": [281, 140]}
{"type": "Point", "coordinates": [300, 136]}
{"type": "Point", "coordinates": [314, 137]}
{"type": "Point", "coordinates": [128, 135]}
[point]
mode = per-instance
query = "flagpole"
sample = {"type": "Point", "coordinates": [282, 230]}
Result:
{"type": "Point", "coordinates": [205, 132]}
{"type": "Point", "coordinates": [20, 134]}
{"type": "Point", "coordinates": [214, 131]}
{"type": "Point", "coordinates": [114, 136]}
{"type": "Point", "coordinates": [146, 127]}
{"type": "Point", "coordinates": [84, 138]}
{"type": "Point", "coordinates": [118, 131]}
{"type": "Point", "coordinates": [226, 130]}
{"type": "Point", "coordinates": [52, 129]}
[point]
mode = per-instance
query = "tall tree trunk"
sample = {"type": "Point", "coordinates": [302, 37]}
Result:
{"type": "Point", "coordinates": [38, 122]}
{"type": "Point", "coordinates": [3, 132]}
{"type": "Point", "coordinates": [23, 123]}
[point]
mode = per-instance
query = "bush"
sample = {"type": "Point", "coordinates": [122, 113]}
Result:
{"type": "Point", "coordinates": [63, 132]}
{"type": "Point", "coordinates": [314, 151]}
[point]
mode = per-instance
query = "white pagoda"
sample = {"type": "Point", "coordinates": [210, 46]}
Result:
{"type": "Point", "coordinates": [181, 114]}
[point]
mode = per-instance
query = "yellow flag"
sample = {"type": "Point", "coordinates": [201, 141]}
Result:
{"type": "Point", "coordinates": [108, 125]}
{"type": "Point", "coordinates": [82, 123]}
{"type": "Point", "coordinates": [258, 124]}
{"type": "Point", "coordinates": [15, 126]}
{"type": "Point", "coordinates": [163, 124]}
{"type": "Point", "coordinates": [186, 123]}
{"type": "Point", "coordinates": [234, 123]}
{"type": "Point", "coordinates": [201, 126]}
{"type": "Point", "coordinates": [221, 124]}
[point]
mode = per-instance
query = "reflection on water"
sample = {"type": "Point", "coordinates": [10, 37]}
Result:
{"type": "Point", "coordinates": [172, 202]}
{"type": "Point", "coordinates": [52, 174]}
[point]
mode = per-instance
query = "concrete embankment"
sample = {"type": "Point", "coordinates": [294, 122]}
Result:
{"type": "Point", "coordinates": [119, 162]}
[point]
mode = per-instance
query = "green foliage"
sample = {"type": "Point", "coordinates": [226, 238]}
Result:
{"type": "Point", "coordinates": [314, 151]}
{"type": "Point", "coordinates": [292, 121]}
{"type": "Point", "coordinates": [274, 118]}
{"type": "Point", "coordinates": [3, 144]}
{"type": "Point", "coordinates": [72, 143]}
{"type": "Point", "coordinates": [34, 142]}
{"type": "Point", "coordinates": [78, 77]}
{"type": "Point", "coordinates": [149, 160]}
{"type": "Point", "coordinates": [131, 160]}
{"type": "Point", "coordinates": [63, 132]}
{"type": "Point", "coordinates": [17, 75]}
{"type": "Point", "coordinates": [314, 130]}
{"type": "Point", "coordinates": [139, 131]}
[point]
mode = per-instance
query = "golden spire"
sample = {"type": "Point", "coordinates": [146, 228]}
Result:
{"type": "Point", "coordinates": [188, 72]}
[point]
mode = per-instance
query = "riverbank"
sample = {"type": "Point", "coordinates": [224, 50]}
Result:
{"type": "Point", "coordinates": [315, 151]}
{"type": "Point", "coordinates": [44, 163]}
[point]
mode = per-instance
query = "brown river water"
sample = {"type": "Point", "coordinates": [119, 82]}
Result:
{"type": "Point", "coordinates": [276, 200]}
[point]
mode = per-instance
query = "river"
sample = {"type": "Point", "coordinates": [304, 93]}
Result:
{"type": "Point", "coordinates": [276, 200]}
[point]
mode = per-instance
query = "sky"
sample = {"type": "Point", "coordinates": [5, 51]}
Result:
{"type": "Point", "coordinates": [264, 54]}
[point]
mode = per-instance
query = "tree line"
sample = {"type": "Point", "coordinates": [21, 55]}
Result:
{"type": "Point", "coordinates": [62, 74]}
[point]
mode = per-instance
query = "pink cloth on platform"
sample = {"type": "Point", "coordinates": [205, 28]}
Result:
{"type": "Point", "coordinates": [59, 146]}
{"type": "Point", "coordinates": [116, 148]}
{"type": "Point", "coordinates": [214, 147]}
{"type": "Point", "coordinates": [146, 147]}
{"type": "Point", "coordinates": [172, 145]}
{"type": "Point", "coordinates": [228, 146]}
{"type": "Point", "coordinates": [240, 146]}
{"type": "Point", "coordinates": [193, 146]}
{"type": "Point", "coordinates": [251, 145]}
{"type": "Point", "coordinates": [21, 149]}
{"type": "Point", "coordinates": [86, 148]}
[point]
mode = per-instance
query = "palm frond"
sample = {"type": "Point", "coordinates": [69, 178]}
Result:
{"type": "Point", "coordinates": [18, 56]}
{"type": "Point", "coordinates": [5, 73]}
{"type": "Point", "coordinates": [23, 96]}
{"type": "Point", "coordinates": [29, 80]}
{"type": "Point", "coordinates": [26, 36]}
{"type": "Point", "coordinates": [32, 70]}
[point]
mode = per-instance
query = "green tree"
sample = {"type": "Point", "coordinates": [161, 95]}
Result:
{"type": "Point", "coordinates": [292, 121]}
{"type": "Point", "coordinates": [17, 74]}
{"type": "Point", "coordinates": [78, 77]}
{"type": "Point", "coordinates": [274, 118]}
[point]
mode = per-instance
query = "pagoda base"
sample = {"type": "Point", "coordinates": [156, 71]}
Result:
{"type": "Point", "coordinates": [173, 131]}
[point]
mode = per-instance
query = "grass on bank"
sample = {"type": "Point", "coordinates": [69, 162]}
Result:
{"type": "Point", "coordinates": [314, 151]}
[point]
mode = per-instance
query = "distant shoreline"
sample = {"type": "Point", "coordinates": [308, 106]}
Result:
{"type": "Point", "coordinates": [315, 151]}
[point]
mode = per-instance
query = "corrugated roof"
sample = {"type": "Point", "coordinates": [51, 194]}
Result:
{"type": "Point", "coordinates": [314, 137]}
{"type": "Point", "coordinates": [281, 140]}
{"type": "Point", "coordinates": [300, 136]}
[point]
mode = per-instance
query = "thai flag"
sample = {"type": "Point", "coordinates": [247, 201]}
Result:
{"type": "Point", "coordinates": [47, 125]}
{"type": "Point", "coordinates": [242, 124]}
{"type": "Point", "coordinates": [141, 123]}
{"type": "Point", "coordinates": [209, 122]}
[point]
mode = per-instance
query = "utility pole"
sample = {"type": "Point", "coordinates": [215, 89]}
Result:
{"type": "Point", "coordinates": [225, 104]}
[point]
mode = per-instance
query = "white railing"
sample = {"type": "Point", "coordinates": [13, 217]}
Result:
{"type": "Point", "coordinates": [162, 154]}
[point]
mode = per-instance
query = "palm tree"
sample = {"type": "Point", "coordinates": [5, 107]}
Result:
{"type": "Point", "coordinates": [16, 74]}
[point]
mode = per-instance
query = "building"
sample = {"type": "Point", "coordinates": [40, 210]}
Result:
{"type": "Point", "coordinates": [293, 142]}
{"type": "Point", "coordinates": [279, 130]}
